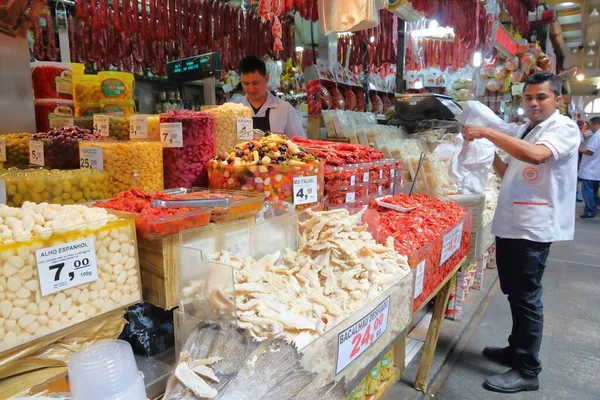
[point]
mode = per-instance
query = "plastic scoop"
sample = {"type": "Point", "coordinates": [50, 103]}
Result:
{"type": "Point", "coordinates": [195, 203]}
{"type": "Point", "coordinates": [382, 203]}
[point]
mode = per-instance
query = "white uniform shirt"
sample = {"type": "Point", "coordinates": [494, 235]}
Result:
{"type": "Point", "coordinates": [537, 202]}
{"type": "Point", "coordinates": [283, 118]}
{"type": "Point", "coordinates": [590, 165]}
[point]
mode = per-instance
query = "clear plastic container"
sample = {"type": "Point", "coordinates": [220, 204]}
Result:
{"type": "Point", "coordinates": [226, 116]}
{"type": "Point", "coordinates": [78, 68]}
{"type": "Point", "coordinates": [17, 149]}
{"type": "Point", "coordinates": [276, 181]}
{"type": "Point", "coordinates": [87, 109]}
{"type": "Point", "coordinates": [86, 89]}
{"type": "Point", "coordinates": [345, 175]}
{"type": "Point", "coordinates": [147, 127]}
{"type": "Point", "coordinates": [119, 127]}
{"type": "Point", "coordinates": [120, 108]}
{"type": "Point", "coordinates": [84, 122]}
{"type": "Point", "coordinates": [62, 150]}
{"type": "Point", "coordinates": [346, 194]}
{"type": "Point", "coordinates": [130, 165]}
{"type": "Point", "coordinates": [243, 204]}
{"type": "Point", "coordinates": [35, 315]}
{"type": "Point", "coordinates": [105, 371]}
{"type": "Point", "coordinates": [45, 108]}
{"type": "Point", "coordinates": [52, 80]}
{"type": "Point", "coordinates": [116, 85]}
{"type": "Point", "coordinates": [56, 187]}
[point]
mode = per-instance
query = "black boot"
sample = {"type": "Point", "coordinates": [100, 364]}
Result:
{"type": "Point", "coordinates": [502, 355]}
{"type": "Point", "coordinates": [511, 382]}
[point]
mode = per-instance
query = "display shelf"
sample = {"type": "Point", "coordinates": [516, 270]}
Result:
{"type": "Point", "coordinates": [166, 82]}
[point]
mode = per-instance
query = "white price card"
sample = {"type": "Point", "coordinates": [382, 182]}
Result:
{"type": "Point", "coordinates": [58, 122]}
{"type": "Point", "coordinates": [350, 197]}
{"type": "Point", "coordinates": [244, 128]}
{"type": "Point", "coordinates": [101, 124]}
{"type": "Point", "coordinates": [2, 150]}
{"type": "Point", "coordinates": [237, 243]}
{"type": "Point", "coordinates": [356, 339]}
{"type": "Point", "coordinates": [352, 180]}
{"type": "Point", "coordinates": [452, 242]}
{"type": "Point", "coordinates": [420, 271]}
{"type": "Point", "coordinates": [36, 152]}
{"type": "Point", "coordinates": [91, 158]}
{"type": "Point", "coordinates": [2, 192]}
{"type": "Point", "coordinates": [366, 177]}
{"type": "Point", "coordinates": [138, 127]}
{"type": "Point", "coordinates": [171, 134]}
{"type": "Point", "coordinates": [227, 88]}
{"type": "Point", "coordinates": [305, 190]}
{"type": "Point", "coordinates": [66, 265]}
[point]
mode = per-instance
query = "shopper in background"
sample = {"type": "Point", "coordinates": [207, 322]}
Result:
{"type": "Point", "coordinates": [589, 170]}
{"type": "Point", "coordinates": [582, 128]}
{"type": "Point", "coordinates": [270, 114]}
{"type": "Point", "coordinates": [535, 208]}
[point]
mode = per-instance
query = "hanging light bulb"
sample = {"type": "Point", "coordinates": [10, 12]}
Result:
{"type": "Point", "coordinates": [592, 43]}
{"type": "Point", "coordinates": [594, 13]}
{"type": "Point", "coordinates": [591, 52]}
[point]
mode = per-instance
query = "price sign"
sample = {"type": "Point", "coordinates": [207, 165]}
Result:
{"type": "Point", "coordinates": [237, 242]}
{"type": "Point", "coordinates": [355, 340]}
{"type": "Point", "coordinates": [138, 127]}
{"type": "Point", "coordinates": [66, 265]}
{"type": "Point", "coordinates": [305, 190]}
{"type": "Point", "coordinates": [171, 134]}
{"type": "Point", "coordinates": [2, 150]}
{"type": "Point", "coordinates": [2, 192]}
{"type": "Point", "coordinates": [101, 124]}
{"type": "Point", "coordinates": [227, 88]}
{"type": "Point", "coordinates": [419, 279]}
{"type": "Point", "coordinates": [504, 41]}
{"type": "Point", "coordinates": [244, 128]}
{"type": "Point", "coordinates": [36, 152]}
{"type": "Point", "coordinates": [57, 121]}
{"type": "Point", "coordinates": [452, 242]}
{"type": "Point", "coordinates": [352, 180]}
{"type": "Point", "coordinates": [91, 158]}
{"type": "Point", "coordinates": [350, 197]}
{"type": "Point", "coordinates": [366, 177]}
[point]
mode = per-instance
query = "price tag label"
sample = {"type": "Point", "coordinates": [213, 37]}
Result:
{"type": "Point", "coordinates": [66, 265]}
{"type": "Point", "coordinates": [2, 150]}
{"type": "Point", "coordinates": [244, 128]}
{"type": "Point", "coordinates": [101, 124]}
{"type": "Point", "coordinates": [171, 134]}
{"type": "Point", "coordinates": [57, 122]}
{"type": "Point", "coordinates": [350, 197]}
{"type": "Point", "coordinates": [36, 152]}
{"type": "Point", "coordinates": [452, 242]}
{"type": "Point", "coordinates": [352, 180]}
{"type": "Point", "coordinates": [393, 172]}
{"type": "Point", "coordinates": [237, 243]}
{"type": "Point", "coordinates": [91, 158]}
{"type": "Point", "coordinates": [227, 88]}
{"type": "Point", "coordinates": [2, 192]}
{"type": "Point", "coordinates": [366, 177]}
{"type": "Point", "coordinates": [305, 190]}
{"type": "Point", "coordinates": [419, 278]}
{"type": "Point", "coordinates": [138, 127]}
{"type": "Point", "coordinates": [356, 339]}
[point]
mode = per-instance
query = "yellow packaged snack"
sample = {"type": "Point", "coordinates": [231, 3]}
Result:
{"type": "Point", "coordinates": [121, 108]}
{"type": "Point", "coordinates": [373, 380]}
{"type": "Point", "coordinates": [116, 85]}
{"type": "Point", "coordinates": [86, 89]}
{"type": "Point", "coordinates": [387, 366]}
{"type": "Point", "coordinates": [359, 391]}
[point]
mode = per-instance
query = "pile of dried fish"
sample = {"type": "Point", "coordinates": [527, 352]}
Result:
{"type": "Point", "coordinates": [241, 369]}
{"type": "Point", "coordinates": [337, 269]}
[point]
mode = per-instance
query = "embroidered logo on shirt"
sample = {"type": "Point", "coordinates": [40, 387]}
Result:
{"type": "Point", "coordinates": [530, 174]}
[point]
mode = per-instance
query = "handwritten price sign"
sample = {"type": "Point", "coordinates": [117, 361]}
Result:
{"type": "Point", "coordinates": [355, 340]}
{"type": "Point", "coordinates": [452, 243]}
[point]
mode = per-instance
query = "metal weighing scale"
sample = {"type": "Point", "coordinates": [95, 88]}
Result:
{"type": "Point", "coordinates": [422, 111]}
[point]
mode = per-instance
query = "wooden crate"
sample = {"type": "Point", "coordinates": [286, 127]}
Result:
{"type": "Point", "coordinates": [159, 274]}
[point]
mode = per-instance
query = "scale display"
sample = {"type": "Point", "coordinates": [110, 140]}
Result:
{"type": "Point", "coordinates": [194, 68]}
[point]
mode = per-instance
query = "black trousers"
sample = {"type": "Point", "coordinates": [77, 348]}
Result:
{"type": "Point", "coordinates": [521, 264]}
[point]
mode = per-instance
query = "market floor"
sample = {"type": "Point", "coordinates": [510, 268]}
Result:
{"type": "Point", "coordinates": [570, 350]}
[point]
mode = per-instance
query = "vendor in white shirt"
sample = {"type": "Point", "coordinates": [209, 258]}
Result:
{"type": "Point", "coordinates": [535, 208]}
{"type": "Point", "coordinates": [270, 114]}
{"type": "Point", "coordinates": [589, 170]}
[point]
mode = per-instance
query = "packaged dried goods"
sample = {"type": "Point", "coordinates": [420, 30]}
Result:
{"type": "Point", "coordinates": [17, 149]}
{"type": "Point", "coordinates": [345, 194]}
{"type": "Point", "coordinates": [337, 153]}
{"type": "Point", "coordinates": [273, 165]}
{"type": "Point", "coordinates": [78, 68]}
{"type": "Point", "coordinates": [86, 89]}
{"type": "Point", "coordinates": [153, 223]}
{"type": "Point", "coordinates": [144, 127]}
{"type": "Point", "coordinates": [128, 164]}
{"type": "Point", "coordinates": [243, 204]}
{"type": "Point", "coordinates": [52, 80]}
{"type": "Point", "coordinates": [188, 138]}
{"type": "Point", "coordinates": [58, 148]}
{"type": "Point", "coordinates": [120, 108]}
{"type": "Point", "coordinates": [87, 109]}
{"type": "Point", "coordinates": [62, 265]}
{"type": "Point", "coordinates": [54, 186]}
{"type": "Point", "coordinates": [228, 128]}
{"type": "Point", "coordinates": [373, 382]}
{"type": "Point", "coordinates": [45, 108]}
{"type": "Point", "coordinates": [345, 175]}
{"type": "Point", "coordinates": [116, 85]}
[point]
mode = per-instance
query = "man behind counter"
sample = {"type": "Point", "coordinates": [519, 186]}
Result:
{"type": "Point", "coordinates": [535, 208]}
{"type": "Point", "coordinates": [270, 113]}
